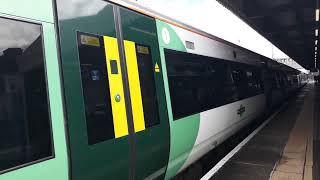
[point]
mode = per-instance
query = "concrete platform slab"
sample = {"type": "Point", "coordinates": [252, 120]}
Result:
{"type": "Point", "coordinates": [278, 175]}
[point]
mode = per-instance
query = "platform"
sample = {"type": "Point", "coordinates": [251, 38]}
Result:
{"type": "Point", "coordinates": [282, 148]}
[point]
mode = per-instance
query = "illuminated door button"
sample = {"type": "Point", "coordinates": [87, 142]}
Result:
{"type": "Point", "coordinates": [117, 98]}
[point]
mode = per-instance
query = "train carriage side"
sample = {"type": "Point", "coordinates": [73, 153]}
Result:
{"type": "Point", "coordinates": [212, 90]}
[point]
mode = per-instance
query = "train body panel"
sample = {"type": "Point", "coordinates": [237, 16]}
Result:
{"type": "Point", "coordinates": [208, 128]}
{"type": "Point", "coordinates": [32, 139]}
{"type": "Point", "coordinates": [26, 9]}
{"type": "Point", "coordinates": [180, 143]}
{"type": "Point", "coordinates": [218, 124]}
{"type": "Point", "coordinates": [132, 96]}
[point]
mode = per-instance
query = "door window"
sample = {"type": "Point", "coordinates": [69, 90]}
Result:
{"type": "Point", "coordinates": [147, 83]}
{"type": "Point", "coordinates": [95, 87]}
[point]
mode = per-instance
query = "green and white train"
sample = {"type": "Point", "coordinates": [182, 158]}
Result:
{"type": "Point", "coordinates": [96, 90]}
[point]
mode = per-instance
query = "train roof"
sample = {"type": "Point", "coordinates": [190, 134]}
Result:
{"type": "Point", "coordinates": [151, 13]}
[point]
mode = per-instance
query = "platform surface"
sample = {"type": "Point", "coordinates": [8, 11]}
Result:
{"type": "Point", "coordinates": [282, 150]}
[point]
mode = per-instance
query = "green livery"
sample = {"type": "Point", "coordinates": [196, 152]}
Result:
{"type": "Point", "coordinates": [181, 142]}
{"type": "Point", "coordinates": [93, 89]}
{"type": "Point", "coordinates": [57, 167]}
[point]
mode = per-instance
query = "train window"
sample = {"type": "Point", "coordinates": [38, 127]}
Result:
{"type": "Point", "coordinates": [276, 83]}
{"type": "Point", "coordinates": [254, 81]}
{"type": "Point", "coordinates": [282, 79]}
{"type": "Point", "coordinates": [251, 83]}
{"type": "Point", "coordinates": [148, 87]}
{"type": "Point", "coordinates": [197, 83]}
{"type": "Point", "coordinates": [240, 79]}
{"type": "Point", "coordinates": [95, 87]}
{"type": "Point", "coordinates": [25, 130]}
{"type": "Point", "coordinates": [184, 81]}
{"type": "Point", "coordinates": [225, 88]}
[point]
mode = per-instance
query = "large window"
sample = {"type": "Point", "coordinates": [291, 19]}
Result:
{"type": "Point", "coordinates": [199, 83]}
{"type": "Point", "coordinates": [25, 131]}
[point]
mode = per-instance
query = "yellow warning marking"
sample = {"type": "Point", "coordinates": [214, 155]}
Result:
{"type": "Point", "coordinates": [116, 88]}
{"type": "Point", "coordinates": [156, 68]}
{"type": "Point", "coordinates": [89, 40]}
{"type": "Point", "coordinates": [134, 86]}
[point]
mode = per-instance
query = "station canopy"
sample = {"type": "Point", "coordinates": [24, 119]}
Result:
{"type": "Point", "coordinates": [289, 24]}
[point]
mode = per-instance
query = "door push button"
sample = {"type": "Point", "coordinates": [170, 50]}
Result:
{"type": "Point", "coordinates": [117, 98]}
{"type": "Point", "coordinates": [114, 66]}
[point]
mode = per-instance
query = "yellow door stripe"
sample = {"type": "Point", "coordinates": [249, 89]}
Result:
{"type": "Point", "coordinates": [134, 86]}
{"type": "Point", "coordinates": [116, 88]}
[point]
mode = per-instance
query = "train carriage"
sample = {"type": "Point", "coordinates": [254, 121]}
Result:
{"type": "Point", "coordinates": [93, 89]}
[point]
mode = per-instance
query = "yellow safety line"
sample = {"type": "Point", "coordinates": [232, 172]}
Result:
{"type": "Point", "coordinates": [116, 88]}
{"type": "Point", "coordinates": [134, 86]}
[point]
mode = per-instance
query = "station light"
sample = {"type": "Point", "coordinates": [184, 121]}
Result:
{"type": "Point", "coordinates": [316, 42]}
{"type": "Point", "coordinates": [317, 14]}
{"type": "Point", "coordinates": [316, 48]}
{"type": "Point", "coordinates": [316, 32]}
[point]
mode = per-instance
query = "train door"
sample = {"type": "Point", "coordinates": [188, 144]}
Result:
{"type": "Point", "coordinates": [149, 111]}
{"type": "Point", "coordinates": [32, 133]}
{"type": "Point", "coordinates": [113, 88]}
{"type": "Point", "coordinates": [93, 86]}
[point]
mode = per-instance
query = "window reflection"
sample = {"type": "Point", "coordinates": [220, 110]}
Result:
{"type": "Point", "coordinates": [96, 89]}
{"type": "Point", "coordinates": [24, 118]}
{"type": "Point", "coordinates": [148, 87]}
{"type": "Point", "coordinates": [68, 9]}
{"type": "Point", "coordinates": [199, 83]}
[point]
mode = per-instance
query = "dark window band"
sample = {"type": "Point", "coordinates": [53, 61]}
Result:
{"type": "Point", "coordinates": [199, 83]}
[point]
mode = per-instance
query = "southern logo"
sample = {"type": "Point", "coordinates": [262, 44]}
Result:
{"type": "Point", "coordinates": [241, 110]}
